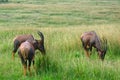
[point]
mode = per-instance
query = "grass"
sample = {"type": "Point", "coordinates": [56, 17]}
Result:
{"type": "Point", "coordinates": [62, 23]}
{"type": "Point", "coordinates": [59, 13]}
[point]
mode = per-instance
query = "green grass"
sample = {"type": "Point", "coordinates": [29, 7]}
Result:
{"type": "Point", "coordinates": [62, 23]}
{"type": "Point", "coordinates": [57, 13]}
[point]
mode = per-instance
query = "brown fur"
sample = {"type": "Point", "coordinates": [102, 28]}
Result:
{"type": "Point", "coordinates": [22, 38]}
{"type": "Point", "coordinates": [18, 40]}
{"type": "Point", "coordinates": [90, 39]}
{"type": "Point", "coordinates": [27, 51]}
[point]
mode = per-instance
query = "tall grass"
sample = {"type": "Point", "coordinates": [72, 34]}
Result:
{"type": "Point", "coordinates": [65, 57]}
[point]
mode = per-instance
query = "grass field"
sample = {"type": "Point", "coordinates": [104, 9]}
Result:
{"type": "Point", "coordinates": [62, 23]}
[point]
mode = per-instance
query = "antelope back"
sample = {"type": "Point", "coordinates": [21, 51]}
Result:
{"type": "Point", "coordinates": [25, 48]}
{"type": "Point", "coordinates": [22, 38]}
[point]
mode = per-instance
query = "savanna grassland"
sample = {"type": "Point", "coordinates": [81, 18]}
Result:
{"type": "Point", "coordinates": [62, 22]}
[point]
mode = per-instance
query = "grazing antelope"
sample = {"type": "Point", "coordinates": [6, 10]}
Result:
{"type": "Point", "coordinates": [27, 49]}
{"type": "Point", "coordinates": [90, 39]}
{"type": "Point", "coordinates": [18, 40]}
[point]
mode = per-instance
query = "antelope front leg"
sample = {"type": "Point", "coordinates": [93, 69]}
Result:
{"type": "Point", "coordinates": [34, 67]}
{"type": "Point", "coordinates": [29, 67]}
{"type": "Point", "coordinates": [90, 50]}
{"type": "Point", "coordinates": [13, 54]}
{"type": "Point", "coordinates": [24, 63]}
{"type": "Point", "coordinates": [25, 69]}
{"type": "Point", "coordinates": [29, 70]}
{"type": "Point", "coordinates": [87, 54]}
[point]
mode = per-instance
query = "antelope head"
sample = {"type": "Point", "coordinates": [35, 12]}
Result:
{"type": "Point", "coordinates": [39, 44]}
{"type": "Point", "coordinates": [103, 49]}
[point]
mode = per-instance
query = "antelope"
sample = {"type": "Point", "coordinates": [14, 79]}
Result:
{"type": "Point", "coordinates": [18, 40]}
{"type": "Point", "coordinates": [91, 39]}
{"type": "Point", "coordinates": [26, 52]}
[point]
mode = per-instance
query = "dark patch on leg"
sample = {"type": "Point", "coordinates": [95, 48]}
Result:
{"type": "Point", "coordinates": [16, 46]}
{"type": "Point", "coordinates": [31, 54]}
{"type": "Point", "coordinates": [29, 67]}
{"type": "Point", "coordinates": [30, 58]}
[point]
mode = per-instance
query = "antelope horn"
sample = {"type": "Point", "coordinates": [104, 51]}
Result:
{"type": "Point", "coordinates": [41, 35]}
